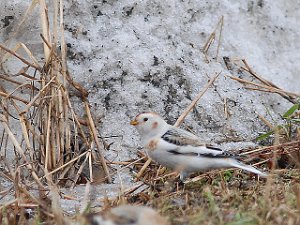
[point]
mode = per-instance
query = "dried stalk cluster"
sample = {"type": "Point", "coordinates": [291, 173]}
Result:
{"type": "Point", "coordinates": [50, 143]}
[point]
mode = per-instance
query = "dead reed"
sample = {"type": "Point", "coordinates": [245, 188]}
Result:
{"type": "Point", "coordinates": [43, 136]}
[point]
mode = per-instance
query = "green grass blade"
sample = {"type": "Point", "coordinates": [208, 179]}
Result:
{"type": "Point", "coordinates": [291, 110]}
{"type": "Point", "coordinates": [264, 136]}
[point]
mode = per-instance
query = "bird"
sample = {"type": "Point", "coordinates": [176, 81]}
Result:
{"type": "Point", "coordinates": [181, 150]}
{"type": "Point", "coordinates": [125, 215]}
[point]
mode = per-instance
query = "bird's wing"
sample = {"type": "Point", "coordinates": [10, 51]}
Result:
{"type": "Point", "coordinates": [204, 154]}
{"type": "Point", "coordinates": [188, 144]}
{"type": "Point", "coordinates": [181, 137]}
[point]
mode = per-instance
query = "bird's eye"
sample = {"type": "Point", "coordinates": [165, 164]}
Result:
{"type": "Point", "coordinates": [145, 119]}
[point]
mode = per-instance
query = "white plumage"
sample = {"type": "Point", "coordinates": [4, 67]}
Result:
{"type": "Point", "coordinates": [181, 150]}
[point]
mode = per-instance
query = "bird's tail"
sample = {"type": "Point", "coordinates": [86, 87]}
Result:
{"type": "Point", "coordinates": [249, 168]}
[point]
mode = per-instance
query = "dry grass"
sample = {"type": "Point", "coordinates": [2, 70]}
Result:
{"type": "Point", "coordinates": [228, 196]}
{"type": "Point", "coordinates": [45, 138]}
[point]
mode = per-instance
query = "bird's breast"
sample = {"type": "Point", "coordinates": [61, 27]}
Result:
{"type": "Point", "coordinates": [152, 145]}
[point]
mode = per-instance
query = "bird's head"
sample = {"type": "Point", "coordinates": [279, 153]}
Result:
{"type": "Point", "coordinates": [149, 124]}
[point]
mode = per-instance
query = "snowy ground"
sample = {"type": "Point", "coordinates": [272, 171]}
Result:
{"type": "Point", "coordinates": [135, 56]}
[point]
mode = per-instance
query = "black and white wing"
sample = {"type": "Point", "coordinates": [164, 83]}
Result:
{"type": "Point", "coordinates": [187, 143]}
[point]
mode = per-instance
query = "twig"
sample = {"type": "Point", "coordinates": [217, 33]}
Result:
{"type": "Point", "coordinates": [45, 27]}
{"type": "Point", "coordinates": [226, 108]}
{"type": "Point", "coordinates": [81, 168]}
{"type": "Point", "coordinates": [265, 121]}
{"type": "Point", "coordinates": [212, 38]}
{"type": "Point", "coordinates": [27, 85]}
{"type": "Point", "coordinates": [66, 164]}
{"type": "Point", "coordinates": [29, 53]}
{"type": "Point", "coordinates": [141, 172]}
{"type": "Point", "coordinates": [19, 149]}
{"type": "Point", "coordinates": [133, 189]}
{"type": "Point", "coordinates": [292, 143]}
{"type": "Point", "coordinates": [37, 96]}
{"type": "Point", "coordinates": [262, 90]}
{"type": "Point", "coordinates": [95, 136]}
{"type": "Point", "coordinates": [220, 36]}
{"type": "Point", "coordinates": [21, 58]}
{"type": "Point", "coordinates": [166, 175]}
{"type": "Point", "coordinates": [194, 102]}
{"type": "Point", "coordinates": [272, 89]}
{"type": "Point", "coordinates": [269, 85]}
{"type": "Point", "coordinates": [6, 204]}
{"type": "Point", "coordinates": [266, 82]}
{"type": "Point", "coordinates": [13, 97]}
{"type": "Point", "coordinates": [91, 167]}
{"type": "Point", "coordinates": [132, 163]}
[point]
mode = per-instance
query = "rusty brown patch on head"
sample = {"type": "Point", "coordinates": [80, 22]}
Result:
{"type": "Point", "coordinates": [152, 145]}
{"type": "Point", "coordinates": [154, 125]}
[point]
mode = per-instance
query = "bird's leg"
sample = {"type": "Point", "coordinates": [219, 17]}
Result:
{"type": "Point", "coordinates": [183, 176]}
{"type": "Point", "coordinates": [178, 185]}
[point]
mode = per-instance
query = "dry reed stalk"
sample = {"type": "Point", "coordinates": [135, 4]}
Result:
{"type": "Point", "coordinates": [159, 171]}
{"type": "Point", "coordinates": [27, 85]}
{"type": "Point", "coordinates": [265, 121]}
{"type": "Point", "coordinates": [29, 54]}
{"type": "Point", "coordinates": [5, 95]}
{"type": "Point", "coordinates": [63, 43]}
{"type": "Point", "coordinates": [262, 90]}
{"type": "Point", "coordinates": [26, 135]}
{"type": "Point", "coordinates": [132, 189]}
{"type": "Point", "coordinates": [50, 107]}
{"type": "Point", "coordinates": [17, 88]}
{"type": "Point", "coordinates": [20, 58]}
{"type": "Point", "coordinates": [208, 43]}
{"type": "Point", "coordinates": [267, 87]}
{"type": "Point", "coordinates": [119, 163]}
{"type": "Point", "coordinates": [261, 162]}
{"type": "Point", "coordinates": [165, 176]}
{"type": "Point", "coordinates": [141, 172]}
{"type": "Point", "coordinates": [292, 144]}
{"type": "Point", "coordinates": [19, 148]}
{"type": "Point", "coordinates": [81, 168]}
{"type": "Point", "coordinates": [19, 26]}
{"type": "Point", "coordinates": [45, 26]}
{"type": "Point", "coordinates": [212, 38]}
{"type": "Point", "coordinates": [7, 204]}
{"type": "Point", "coordinates": [96, 139]}
{"type": "Point", "coordinates": [249, 70]}
{"type": "Point", "coordinates": [66, 164]}
{"type": "Point", "coordinates": [196, 99]}
{"type": "Point", "coordinates": [32, 102]}
{"type": "Point", "coordinates": [91, 166]}
{"type": "Point", "coordinates": [220, 36]}
{"type": "Point", "coordinates": [124, 167]}
{"type": "Point", "coordinates": [226, 112]}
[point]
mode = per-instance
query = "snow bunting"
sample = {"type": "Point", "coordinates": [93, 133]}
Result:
{"type": "Point", "coordinates": [128, 214]}
{"type": "Point", "coordinates": [181, 150]}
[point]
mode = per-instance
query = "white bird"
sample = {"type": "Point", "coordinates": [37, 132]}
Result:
{"type": "Point", "coordinates": [125, 215]}
{"type": "Point", "coordinates": [181, 150]}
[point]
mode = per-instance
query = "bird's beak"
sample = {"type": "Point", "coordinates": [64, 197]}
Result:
{"type": "Point", "coordinates": [134, 122]}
